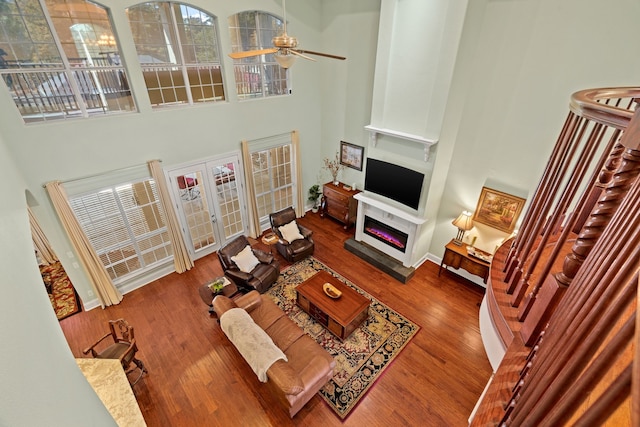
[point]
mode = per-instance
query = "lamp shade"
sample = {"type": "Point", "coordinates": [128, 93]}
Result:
{"type": "Point", "coordinates": [285, 59]}
{"type": "Point", "coordinates": [464, 221]}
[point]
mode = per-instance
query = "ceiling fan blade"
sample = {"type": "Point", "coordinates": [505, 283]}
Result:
{"type": "Point", "coordinates": [310, 52]}
{"type": "Point", "coordinates": [297, 53]}
{"type": "Point", "coordinates": [250, 53]}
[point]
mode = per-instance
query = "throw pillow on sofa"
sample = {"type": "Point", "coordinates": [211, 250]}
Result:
{"type": "Point", "coordinates": [290, 231]}
{"type": "Point", "coordinates": [246, 260]}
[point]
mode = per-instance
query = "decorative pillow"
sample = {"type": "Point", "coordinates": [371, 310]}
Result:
{"type": "Point", "coordinates": [290, 231]}
{"type": "Point", "coordinates": [246, 260]}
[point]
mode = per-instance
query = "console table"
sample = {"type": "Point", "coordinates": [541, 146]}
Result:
{"type": "Point", "coordinates": [338, 202]}
{"type": "Point", "coordinates": [458, 257]}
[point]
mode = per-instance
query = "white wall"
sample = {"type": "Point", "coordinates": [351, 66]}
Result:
{"type": "Point", "coordinates": [518, 64]}
{"type": "Point", "coordinates": [40, 383]}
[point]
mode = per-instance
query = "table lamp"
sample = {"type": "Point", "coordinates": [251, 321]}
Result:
{"type": "Point", "coordinates": [464, 223]}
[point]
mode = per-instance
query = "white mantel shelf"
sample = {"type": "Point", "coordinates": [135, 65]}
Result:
{"type": "Point", "coordinates": [402, 135]}
{"type": "Point", "coordinates": [390, 209]}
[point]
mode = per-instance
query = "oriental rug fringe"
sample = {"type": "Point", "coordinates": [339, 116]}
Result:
{"type": "Point", "coordinates": [364, 355]}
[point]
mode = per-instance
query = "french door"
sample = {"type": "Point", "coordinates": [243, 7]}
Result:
{"type": "Point", "coordinates": [209, 197]}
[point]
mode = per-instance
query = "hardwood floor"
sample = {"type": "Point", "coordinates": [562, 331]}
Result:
{"type": "Point", "coordinates": [196, 377]}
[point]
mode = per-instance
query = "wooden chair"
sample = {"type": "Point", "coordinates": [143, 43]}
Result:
{"type": "Point", "coordinates": [123, 348]}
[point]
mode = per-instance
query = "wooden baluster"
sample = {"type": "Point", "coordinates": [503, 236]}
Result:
{"type": "Point", "coordinates": [561, 411]}
{"type": "Point", "coordinates": [543, 192]}
{"type": "Point", "coordinates": [571, 187]}
{"type": "Point", "coordinates": [613, 397]}
{"type": "Point", "coordinates": [606, 175]}
{"type": "Point", "coordinates": [601, 215]}
{"type": "Point", "coordinates": [600, 299]}
{"type": "Point", "coordinates": [574, 184]}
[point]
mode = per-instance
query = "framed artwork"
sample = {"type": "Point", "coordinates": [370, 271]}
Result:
{"type": "Point", "coordinates": [351, 155]}
{"type": "Point", "coordinates": [498, 210]}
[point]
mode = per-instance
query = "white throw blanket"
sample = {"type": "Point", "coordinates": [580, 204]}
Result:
{"type": "Point", "coordinates": [251, 340]}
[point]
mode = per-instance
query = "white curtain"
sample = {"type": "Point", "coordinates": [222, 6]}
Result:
{"type": "Point", "coordinates": [40, 241]}
{"type": "Point", "coordinates": [181, 259]}
{"type": "Point", "coordinates": [105, 290]}
{"type": "Point", "coordinates": [254, 218]}
{"type": "Point", "coordinates": [295, 141]}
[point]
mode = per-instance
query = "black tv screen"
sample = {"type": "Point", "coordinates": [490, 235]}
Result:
{"type": "Point", "coordinates": [395, 182]}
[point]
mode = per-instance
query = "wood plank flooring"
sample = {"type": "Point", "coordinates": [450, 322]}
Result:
{"type": "Point", "coordinates": [197, 378]}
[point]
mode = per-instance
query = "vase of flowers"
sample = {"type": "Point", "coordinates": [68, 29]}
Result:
{"type": "Point", "coordinates": [334, 167]}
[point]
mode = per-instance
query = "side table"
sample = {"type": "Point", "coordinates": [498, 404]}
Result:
{"type": "Point", "coordinates": [269, 239]}
{"type": "Point", "coordinates": [459, 257]}
{"type": "Point", "coordinates": [208, 295]}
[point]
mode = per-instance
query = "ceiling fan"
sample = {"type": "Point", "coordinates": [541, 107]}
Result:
{"type": "Point", "coordinates": [284, 48]}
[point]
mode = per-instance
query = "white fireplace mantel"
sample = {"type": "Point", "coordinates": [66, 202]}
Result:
{"type": "Point", "coordinates": [394, 217]}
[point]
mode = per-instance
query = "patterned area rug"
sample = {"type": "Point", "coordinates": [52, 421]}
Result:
{"type": "Point", "coordinates": [364, 355]}
{"type": "Point", "coordinates": [62, 295]}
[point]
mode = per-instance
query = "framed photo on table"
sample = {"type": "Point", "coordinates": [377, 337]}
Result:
{"type": "Point", "coordinates": [351, 155]}
{"type": "Point", "coordinates": [498, 210]}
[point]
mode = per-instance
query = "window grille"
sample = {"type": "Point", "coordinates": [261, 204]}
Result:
{"type": "Point", "coordinates": [61, 60]}
{"type": "Point", "coordinates": [272, 177]}
{"type": "Point", "coordinates": [126, 226]}
{"type": "Point", "coordinates": [257, 76]}
{"type": "Point", "coordinates": [178, 51]}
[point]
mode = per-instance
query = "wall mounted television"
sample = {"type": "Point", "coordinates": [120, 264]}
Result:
{"type": "Point", "coordinates": [393, 181]}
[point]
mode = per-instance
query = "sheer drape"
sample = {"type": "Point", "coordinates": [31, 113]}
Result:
{"type": "Point", "coordinates": [40, 241]}
{"type": "Point", "coordinates": [254, 218]}
{"type": "Point", "coordinates": [181, 259]}
{"type": "Point", "coordinates": [105, 290]}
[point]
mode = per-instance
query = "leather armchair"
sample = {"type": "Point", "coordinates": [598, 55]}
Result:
{"type": "Point", "coordinates": [260, 278]}
{"type": "Point", "coordinates": [298, 249]}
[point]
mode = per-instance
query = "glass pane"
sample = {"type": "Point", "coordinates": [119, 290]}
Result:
{"type": "Point", "coordinates": [126, 228]}
{"type": "Point", "coordinates": [165, 62]}
{"type": "Point", "coordinates": [228, 199]}
{"type": "Point", "coordinates": [273, 179]}
{"type": "Point", "coordinates": [196, 209]}
{"type": "Point", "coordinates": [32, 68]}
{"type": "Point", "coordinates": [256, 76]}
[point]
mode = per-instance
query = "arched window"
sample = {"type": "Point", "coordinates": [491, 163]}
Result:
{"type": "Point", "coordinates": [61, 60]}
{"type": "Point", "coordinates": [257, 76]}
{"type": "Point", "coordinates": [178, 50]}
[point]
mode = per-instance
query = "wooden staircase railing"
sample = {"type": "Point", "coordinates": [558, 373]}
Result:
{"type": "Point", "coordinates": [563, 294]}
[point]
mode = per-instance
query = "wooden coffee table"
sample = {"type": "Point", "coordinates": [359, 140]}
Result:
{"type": "Point", "coordinates": [340, 316]}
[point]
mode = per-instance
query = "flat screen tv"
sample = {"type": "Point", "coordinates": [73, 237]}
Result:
{"type": "Point", "coordinates": [393, 181]}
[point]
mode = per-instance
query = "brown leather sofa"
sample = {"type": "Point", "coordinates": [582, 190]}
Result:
{"type": "Point", "coordinates": [309, 366]}
{"type": "Point", "coordinates": [260, 278]}
{"type": "Point", "coordinates": [295, 250]}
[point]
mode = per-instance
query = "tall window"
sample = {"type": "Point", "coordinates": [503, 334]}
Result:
{"type": "Point", "coordinates": [178, 49]}
{"type": "Point", "coordinates": [257, 76]}
{"type": "Point", "coordinates": [126, 227]}
{"type": "Point", "coordinates": [273, 179]}
{"type": "Point", "coordinates": [60, 59]}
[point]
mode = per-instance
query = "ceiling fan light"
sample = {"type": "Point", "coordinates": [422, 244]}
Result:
{"type": "Point", "coordinates": [285, 60]}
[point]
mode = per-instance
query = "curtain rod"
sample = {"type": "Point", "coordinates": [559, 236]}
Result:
{"type": "Point", "coordinates": [126, 168]}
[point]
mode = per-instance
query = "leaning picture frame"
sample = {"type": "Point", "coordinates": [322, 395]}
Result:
{"type": "Point", "coordinates": [498, 210]}
{"type": "Point", "coordinates": [351, 155]}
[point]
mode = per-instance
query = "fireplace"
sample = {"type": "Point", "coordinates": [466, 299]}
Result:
{"type": "Point", "coordinates": [390, 230]}
{"type": "Point", "coordinates": [386, 234]}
